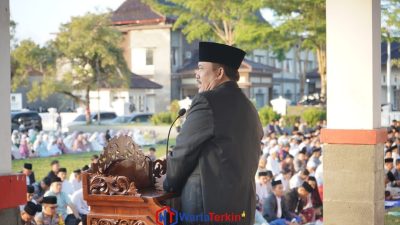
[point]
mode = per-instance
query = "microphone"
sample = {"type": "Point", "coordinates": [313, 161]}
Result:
{"type": "Point", "coordinates": [180, 114]}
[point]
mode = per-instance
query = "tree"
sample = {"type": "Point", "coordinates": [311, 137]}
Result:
{"type": "Point", "coordinates": [232, 22]}
{"type": "Point", "coordinates": [13, 28]}
{"type": "Point", "coordinates": [90, 46]}
{"type": "Point", "coordinates": [390, 10]}
{"type": "Point", "coordinates": [27, 56]}
{"type": "Point", "coordinates": [302, 24]}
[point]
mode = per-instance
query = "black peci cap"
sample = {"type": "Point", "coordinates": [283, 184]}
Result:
{"type": "Point", "coordinates": [220, 53]}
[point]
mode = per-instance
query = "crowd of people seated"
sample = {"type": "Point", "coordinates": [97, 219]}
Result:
{"type": "Point", "coordinates": [392, 162]}
{"type": "Point", "coordinates": [45, 144]}
{"type": "Point", "coordinates": [57, 198]}
{"type": "Point", "coordinates": [289, 181]}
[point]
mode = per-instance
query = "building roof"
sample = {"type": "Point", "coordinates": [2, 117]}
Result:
{"type": "Point", "coordinates": [136, 12]}
{"type": "Point", "coordinates": [135, 82]}
{"type": "Point", "coordinates": [139, 82]}
{"type": "Point", "coordinates": [259, 67]}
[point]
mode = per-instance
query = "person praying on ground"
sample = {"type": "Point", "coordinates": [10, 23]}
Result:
{"type": "Point", "coordinates": [55, 166]}
{"type": "Point", "coordinates": [316, 154]}
{"type": "Point", "coordinates": [63, 201]}
{"type": "Point", "coordinates": [273, 161]}
{"type": "Point", "coordinates": [299, 178]}
{"type": "Point", "coordinates": [75, 180]}
{"type": "Point", "coordinates": [300, 162]}
{"type": "Point", "coordinates": [41, 188]}
{"type": "Point", "coordinates": [275, 210]}
{"type": "Point", "coordinates": [389, 165]}
{"type": "Point", "coordinates": [263, 185]}
{"type": "Point", "coordinates": [80, 204]}
{"type": "Point", "coordinates": [285, 177]}
{"type": "Point", "coordinates": [66, 185]}
{"type": "Point", "coordinates": [315, 197]}
{"type": "Point", "coordinates": [297, 199]}
{"type": "Point", "coordinates": [24, 147]}
{"type": "Point", "coordinates": [28, 214]}
{"type": "Point", "coordinates": [30, 175]}
{"type": "Point", "coordinates": [48, 216]}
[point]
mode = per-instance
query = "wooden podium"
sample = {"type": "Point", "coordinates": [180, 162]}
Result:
{"type": "Point", "coordinates": [120, 188]}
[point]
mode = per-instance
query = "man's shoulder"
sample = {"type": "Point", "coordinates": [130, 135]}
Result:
{"type": "Point", "coordinates": [270, 198]}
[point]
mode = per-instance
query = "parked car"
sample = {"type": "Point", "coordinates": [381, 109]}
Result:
{"type": "Point", "coordinates": [24, 121]}
{"type": "Point", "coordinates": [104, 116]}
{"type": "Point", "coordinates": [133, 118]}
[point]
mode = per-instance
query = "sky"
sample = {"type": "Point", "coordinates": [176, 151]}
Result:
{"type": "Point", "coordinates": [40, 19]}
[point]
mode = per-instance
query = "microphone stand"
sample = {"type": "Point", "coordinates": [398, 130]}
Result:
{"type": "Point", "coordinates": [180, 114]}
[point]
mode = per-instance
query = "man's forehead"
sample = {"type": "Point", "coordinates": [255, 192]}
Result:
{"type": "Point", "coordinates": [201, 63]}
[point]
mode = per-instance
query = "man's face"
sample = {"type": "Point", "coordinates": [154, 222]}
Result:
{"type": "Point", "coordinates": [44, 185]}
{"type": "Point", "coordinates": [27, 172]}
{"type": "Point", "coordinates": [29, 197]}
{"type": "Point", "coordinates": [398, 166]}
{"type": "Point", "coordinates": [264, 180]}
{"type": "Point", "coordinates": [389, 166]}
{"type": "Point", "coordinates": [26, 217]}
{"type": "Point", "coordinates": [278, 190]}
{"type": "Point", "coordinates": [78, 176]}
{"type": "Point", "coordinates": [302, 192]}
{"type": "Point", "coordinates": [57, 187]}
{"type": "Point", "coordinates": [62, 175]}
{"type": "Point", "coordinates": [303, 177]}
{"type": "Point", "coordinates": [287, 176]}
{"type": "Point", "coordinates": [206, 76]}
{"type": "Point", "coordinates": [50, 209]}
{"type": "Point", "coordinates": [55, 167]}
{"type": "Point", "coordinates": [312, 183]}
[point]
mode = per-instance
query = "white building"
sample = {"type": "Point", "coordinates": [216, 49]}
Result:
{"type": "Point", "coordinates": [138, 98]}
{"type": "Point", "coordinates": [286, 83]}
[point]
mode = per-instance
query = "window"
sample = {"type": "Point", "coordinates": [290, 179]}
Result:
{"type": "Point", "coordinates": [288, 65]}
{"type": "Point", "coordinates": [258, 58]}
{"type": "Point", "coordinates": [174, 57]}
{"type": "Point", "coordinates": [272, 61]}
{"type": "Point", "coordinates": [149, 56]}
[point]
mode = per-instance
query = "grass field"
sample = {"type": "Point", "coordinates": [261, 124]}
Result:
{"type": "Point", "coordinates": [41, 166]}
{"type": "Point", "coordinates": [392, 220]}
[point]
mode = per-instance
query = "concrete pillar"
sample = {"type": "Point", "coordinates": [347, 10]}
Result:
{"type": "Point", "coordinates": [353, 156]}
{"type": "Point", "coordinates": [12, 186]}
{"type": "Point", "coordinates": [5, 129]}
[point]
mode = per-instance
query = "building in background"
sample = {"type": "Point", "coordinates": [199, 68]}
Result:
{"type": "Point", "coordinates": [138, 98]}
{"type": "Point", "coordinates": [314, 84]}
{"type": "Point", "coordinates": [155, 51]}
{"type": "Point", "coordinates": [287, 82]}
{"type": "Point", "coordinates": [56, 100]}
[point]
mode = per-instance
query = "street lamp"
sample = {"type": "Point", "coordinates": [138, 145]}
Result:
{"type": "Point", "coordinates": [308, 90]}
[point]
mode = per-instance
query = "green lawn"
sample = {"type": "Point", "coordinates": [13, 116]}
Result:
{"type": "Point", "coordinates": [392, 220]}
{"type": "Point", "coordinates": [41, 166]}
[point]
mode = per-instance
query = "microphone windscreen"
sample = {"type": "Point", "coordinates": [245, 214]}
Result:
{"type": "Point", "coordinates": [182, 112]}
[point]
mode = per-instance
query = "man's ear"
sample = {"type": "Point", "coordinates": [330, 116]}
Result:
{"type": "Point", "coordinates": [221, 72]}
